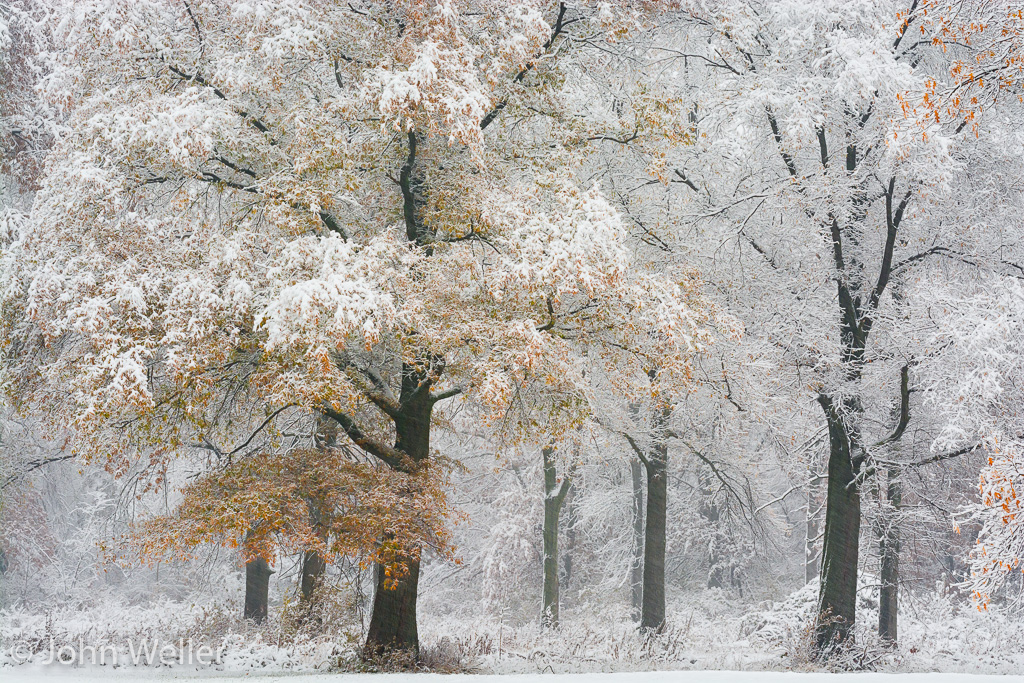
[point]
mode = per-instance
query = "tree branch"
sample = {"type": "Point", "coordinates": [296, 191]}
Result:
{"type": "Point", "coordinates": [689, 183]}
{"type": "Point", "coordinates": [777, 134]}
{"type": "Point", "coordinates": [32, 466]}
{"type": "Point", "coordinates": [943, 456]}
{"type": "Point", "coordinates": [412, 230]}
{"type": "Point", "coordinates": [901, 425]}
{"type": "Point", "coordinates": [251, 118]}
{"type": "Point", "coordinates": [447, 393]}
{"type": "Point", "coordinates": [392, 457]}
{"type": "Point", "coordinates": [636, 449]}
{"type": "Point", "coordinates": [892, 221]}
{"type": "Point", "coordinates": [259, 429]}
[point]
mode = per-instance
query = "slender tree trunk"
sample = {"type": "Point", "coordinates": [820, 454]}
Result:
{"type": "Point", "coordinates": [549, 615]}
{"type": "Point", "coordinates": [636, 570]}
{"type": "Point", "coordinates": [257, 589]}
{"type": "Point", "coordinates": [652, 617]}
{"type": "Point", "coordinates": [811, 526]}
{"type": "Point", "coordinates": [313, 563]}
{"type": "Point", "coordinates": [839, 554]}
{"type": "Point", "coordinates": [889, 549]}
{"type": "Point", "coordinates": [571, 518]}
{"type": "Point", "coordinates": [554, 496]}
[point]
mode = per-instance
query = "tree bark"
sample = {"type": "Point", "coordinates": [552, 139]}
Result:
{"type": "Point", "coordinates": [837, 600]}
{"type": "Point", "coordinates": [652, 616]}
{"type": "Point", "coordinates": [636, 570]}
{"type": "Point", "coordinates": [554, 496]}
{"type": "Point", "coordinates": [889, 550]}
{"type": "Point", "coordinates": [257, 590]}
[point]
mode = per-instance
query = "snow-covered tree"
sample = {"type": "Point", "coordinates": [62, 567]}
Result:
{"type": "Point", "coordinates": [262, 208]}
{"type": "Point", "coordinates": [821, 180]}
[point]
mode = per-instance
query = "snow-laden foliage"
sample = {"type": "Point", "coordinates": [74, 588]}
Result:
{"type": "Point", "coordinates": [976, 385]}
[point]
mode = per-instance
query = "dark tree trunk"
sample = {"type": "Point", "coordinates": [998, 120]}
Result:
{"type": "Point", "coordinates": [858, 301]}
{"type": "Point", "coordinates": [393, 619]}
{"type": "Point", "coordinates": [636, 570]}
{"type": "Point", "coordinates": [652, 616]}
{"type": "Point", "coordinates": [257, 589]}
{"type": "Point", "coordinates": [313, 568]}
{"type": "Point", "coordinates": [811, 526]}
{"type": "Point", "coordinates": [889, 550]}
{"type": "Point", "coordinates": [554, 496]}
{"type": "Point", "coordinates": [837, 600]}
{"type": "Point", "coordinates": [313, 563]}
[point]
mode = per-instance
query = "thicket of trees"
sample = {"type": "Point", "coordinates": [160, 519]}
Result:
{"type": "Point", "coordinates": [731, 290]}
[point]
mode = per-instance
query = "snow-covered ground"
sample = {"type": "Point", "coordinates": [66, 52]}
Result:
{"type": "Point", "coordinates": [712, 634]}
{"type": "Point", "coordinates": [38, 675]}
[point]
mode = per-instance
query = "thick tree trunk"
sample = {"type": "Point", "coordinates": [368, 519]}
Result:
{"type": "Point", "coordinates": [554, 496]}
{"type": "Point", "coordinates": [889, 550]}
{"type": "Point", "coordinates": [313, 568]}
{"type": "Point", "coordinates": [636, 570]}
{"type": "Point", "coordinates": [837, 600]}
{"type": "Point", "coordinates": [652, 617]}
{"type": "Point", "coordinates": [393, 620]}
{"type": "Point", "coordinates": [257, 589]}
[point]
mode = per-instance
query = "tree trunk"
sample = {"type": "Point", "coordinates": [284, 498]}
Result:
{"type": "Point", "coordinates": [313, 568]}
{"type": "Point", "coordinates": [889, 550]}
{"type": "Point", "coordinates": [313, 563]}
{"type": "Point", "coordinates": [393, 620]}
{"type": "Point", "coordinates": [257, 589]}
{"type": "Point", "coordinates": [811, 522]}
{"type": "Point", "coordinates": [652, 617]}
{"type": "Point", "coordinates": [554, 496]}
{"type": "Point", "coordinates": [636, 570]}
{"type": "Point", "coordinates": [837, 600]}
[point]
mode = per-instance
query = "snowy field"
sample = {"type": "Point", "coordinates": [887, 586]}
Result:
{"type": "Point", "coordinates": [79, 676]}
